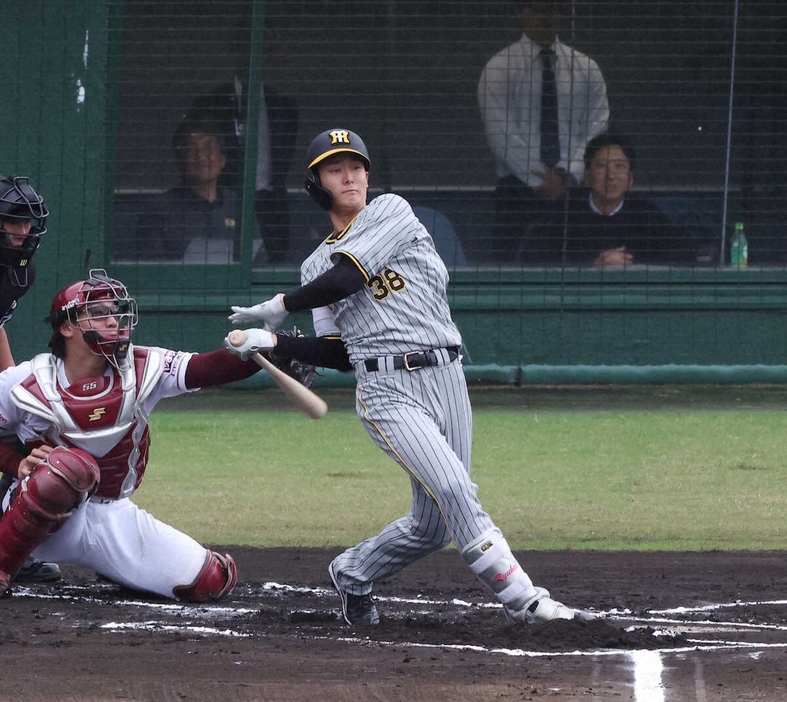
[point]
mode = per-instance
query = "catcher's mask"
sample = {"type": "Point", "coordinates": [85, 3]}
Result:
{"type": "Point", "coordinates": [19, 202]}
{"type": "Point", "coordinates": [87, 304]}
{"type": "Point", "coordinates": [330, 142]}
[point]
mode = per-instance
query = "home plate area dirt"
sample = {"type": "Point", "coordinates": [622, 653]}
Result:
{"type": "Point", "coordinates": [670, 626]}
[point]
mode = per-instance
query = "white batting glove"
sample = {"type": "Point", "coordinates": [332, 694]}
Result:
{"type": "Point", "coordinates": [257, 340]}
{"type": "Point", "coordinates": [271, 312]}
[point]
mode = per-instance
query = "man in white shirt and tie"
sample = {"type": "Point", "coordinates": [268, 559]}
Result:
{"type": "Point", "coordinates": [541, 102]}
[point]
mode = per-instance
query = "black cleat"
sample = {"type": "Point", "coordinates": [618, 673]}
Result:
{"type": "Point", "coordinates": [34, 571]}
{"type": "Point", "coordinates": [356, 609]}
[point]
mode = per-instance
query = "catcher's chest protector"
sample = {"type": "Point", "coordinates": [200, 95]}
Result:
{"type": "Point", "coordinates": [104, 413]}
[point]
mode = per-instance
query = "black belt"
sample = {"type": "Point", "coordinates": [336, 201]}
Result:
{"type": "Point", "coordinates": [414, 360]}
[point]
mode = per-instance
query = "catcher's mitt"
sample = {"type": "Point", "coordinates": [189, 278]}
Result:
{"type": "Point", "coordinates": [302, 372]}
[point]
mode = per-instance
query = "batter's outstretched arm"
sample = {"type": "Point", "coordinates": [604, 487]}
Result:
{"type": "Point", "coordinates": [344, 279]}
{"type": "Point", "coordinates": [320, 351]}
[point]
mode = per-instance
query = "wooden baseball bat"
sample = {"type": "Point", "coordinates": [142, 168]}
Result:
{"type": "Point", "coordinates": [303, 398]}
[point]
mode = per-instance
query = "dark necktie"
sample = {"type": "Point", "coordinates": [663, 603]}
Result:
{"type": "Point", "coordinates": [550, 142]}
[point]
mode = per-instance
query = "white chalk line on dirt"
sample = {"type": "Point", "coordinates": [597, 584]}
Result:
{"type": "Point", "coordinates": [712, 646]}
{"type": "Point", "coordinates": [463, 603]}
{"type": "Point", "coordinates": [700, 623]}
{"type": "Point", "coordinates": [715, 607]}
{"type": "Point", "coordinates": [615, 614]}
{"type": "Point", "coordinates": [696, 644]}
{"type": "Point", "coordinates": [213, 610]}
{"type": "Point", "coordinates": [180, 629]}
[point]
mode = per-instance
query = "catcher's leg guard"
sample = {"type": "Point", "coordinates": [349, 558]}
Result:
{"type": "Point", "coordinates": [43, 503]}
{"type": "Point", "coordinates": [216, 580]}
{"type": "Point", "coordinates": [490, 558]}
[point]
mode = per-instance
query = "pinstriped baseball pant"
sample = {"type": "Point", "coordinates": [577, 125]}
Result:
{"type": "Point", "coordinates": [423, 420]}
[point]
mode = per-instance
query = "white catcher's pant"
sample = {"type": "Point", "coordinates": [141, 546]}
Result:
{"type": "Point", "coordinates": [423, 420]}
{"type": "Point", "coordinates": [126, 544]}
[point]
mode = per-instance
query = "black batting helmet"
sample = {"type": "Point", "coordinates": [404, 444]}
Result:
{"type": "Point", "coordinates": [328, 143]}
{"type": "Point", "coordinates": [19, 202]}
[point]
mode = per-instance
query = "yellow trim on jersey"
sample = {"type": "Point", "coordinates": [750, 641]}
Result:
{"type": "Point", "coordinates": [333, 237]}
{"type": "Point", "coordinates": [338, 236]}
{"type": "Point", "coordinates": [355, 261]}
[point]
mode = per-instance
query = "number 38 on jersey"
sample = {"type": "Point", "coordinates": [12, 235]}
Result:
{"type": "Point", "coordinates": [386, 282]}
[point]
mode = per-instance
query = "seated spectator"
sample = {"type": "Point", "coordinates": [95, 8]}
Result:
{"type": "Point", "coordinates": [198, 221]}
{"type": "Point", "coordinates": [277, 131]}
{"type": "Point", "coordinates": [541, 102]}
{"type": "Point", "coordinates": [604, 224]}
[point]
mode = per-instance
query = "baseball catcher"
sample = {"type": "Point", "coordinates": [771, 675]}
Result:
{"type": "Point", "coordinates": [82, 413]}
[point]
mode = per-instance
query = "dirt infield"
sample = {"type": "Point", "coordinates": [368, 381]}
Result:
{"type": "Point", "coordinates": [685, 626]}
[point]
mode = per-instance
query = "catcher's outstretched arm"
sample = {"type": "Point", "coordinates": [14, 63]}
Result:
{"type": "Point", "coordinates": [217, 368]}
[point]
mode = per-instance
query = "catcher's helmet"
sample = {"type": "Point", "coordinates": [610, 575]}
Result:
{"type": "Point", "coordinates": [330, 142]}
{"type": "Point", "coordinates": [77, 303]}
{"type": "Point", "coordinates": [19, 202]}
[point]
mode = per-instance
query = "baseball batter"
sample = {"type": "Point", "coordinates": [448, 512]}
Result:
{"type": "Point", "coordinates": [83, 411]}
{"type": "Point", "coordinates": [377, 288]}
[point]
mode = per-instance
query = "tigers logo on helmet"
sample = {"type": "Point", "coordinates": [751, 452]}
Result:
{"type": "Point", "coordinates": [325, 144]}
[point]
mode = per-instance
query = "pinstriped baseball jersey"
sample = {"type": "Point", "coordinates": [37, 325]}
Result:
{"type": "Point", "coordinates": [404, 305]}
{"type": "Point", "coordinates": [421, 419]}
{"type": "Point", "coordinates": [418, 413]}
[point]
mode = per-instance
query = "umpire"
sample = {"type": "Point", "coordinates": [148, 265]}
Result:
{"type": "Point", "coordinates": [23, 216]}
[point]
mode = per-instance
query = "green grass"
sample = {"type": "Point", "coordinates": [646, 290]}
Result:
{"type": "Point", "coordinates": [587, 468]}
{"type": "Point", "coordinates": [641, 480]}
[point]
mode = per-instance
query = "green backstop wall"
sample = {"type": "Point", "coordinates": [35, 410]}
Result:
{"type": "Point", "coordinates": [63, 103]}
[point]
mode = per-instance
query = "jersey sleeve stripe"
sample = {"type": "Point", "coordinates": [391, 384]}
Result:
{"type": "Point", "coordinates": [355, 261]}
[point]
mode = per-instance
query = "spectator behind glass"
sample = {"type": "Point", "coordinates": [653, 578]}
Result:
{"type": "Point", "coordinates": [277, 130]}
{"type": "Point", "coordinates": [198, 221]}
{"type": "Point", "coordinates": [531, 181]}
{"type": "Point", "coordinates": [606, 225]}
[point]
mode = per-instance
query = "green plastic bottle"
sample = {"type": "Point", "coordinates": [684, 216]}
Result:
{"type": "Point", "coordinates": [739, 247]}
